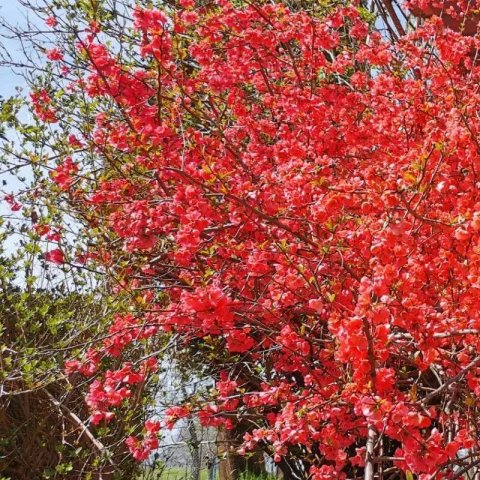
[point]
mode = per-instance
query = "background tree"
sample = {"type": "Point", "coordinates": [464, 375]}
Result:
{"type": "Point", "coordinates": [44, 323]}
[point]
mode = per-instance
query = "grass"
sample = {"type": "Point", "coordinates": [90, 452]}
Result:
{"type": "Point", "coordinates": [171, 473]}
{"type": "Point", "coordinates": [179, 473]}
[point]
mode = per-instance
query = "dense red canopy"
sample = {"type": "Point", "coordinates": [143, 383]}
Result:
{"type": "Point", "coordinates": [301, 198]}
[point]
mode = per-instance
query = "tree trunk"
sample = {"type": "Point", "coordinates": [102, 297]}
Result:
{"type": "Point", "coordinates": [194, 447]}
{"type": "Point", "coordinates": [227, 468]}
{"type": "Point", "coordinates": [232, 465]}
{"type": "Point", "coordinates": [369, 470]}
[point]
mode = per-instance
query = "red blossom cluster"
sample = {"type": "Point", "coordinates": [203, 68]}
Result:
{"type": "Point", "coordinates": [63, 174]}
{"type": "Point", "coordinates": [140, 449]}
{"type": "Point", "coordinates": [114, 389]}
{"type": "Point", "coordinates": [55, 255]}
{"type": "Point", "coordinates": [14, 205]}
{"type": "Point", "coordinates": [42, 106]}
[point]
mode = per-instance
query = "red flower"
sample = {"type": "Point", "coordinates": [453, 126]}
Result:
{"type": "Point", "coordinates": [14, 205]}
{"type": "Point", "coordinates": [55, 256]}
{"type": "Point", "coordinates": [152, 426]}
{"type": "Point", "coordinates": [42, 107]}
{"type": "Point", "coordinates": [137, 449]}
{"type": "Point", "coordinates": [54, 54]}
{"type": "Point", "coordinates": [239, 341]}
{"type": "Point", "coordinates": [41, 229]}
{"type": "Point", "coordinates": [54, 236]}
{"type": "Point", "coordinates": [173, 414]}
{"type": "Point", "coordinates": [51, 21]}
{"type": "Point", "coordinates": [62, 175]}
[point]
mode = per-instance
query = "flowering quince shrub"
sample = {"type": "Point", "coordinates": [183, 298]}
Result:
{"type": "Point", "coordinates": [296, 200]}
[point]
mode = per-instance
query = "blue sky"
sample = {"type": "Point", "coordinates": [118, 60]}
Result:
{"type": "Point", "coordinates": [13, 13]}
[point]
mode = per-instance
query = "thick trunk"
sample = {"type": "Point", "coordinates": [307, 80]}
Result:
{"type": "Point", "coordinates": [227, 467]}
{"type": "Point", "coordinates": [233, 465]}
